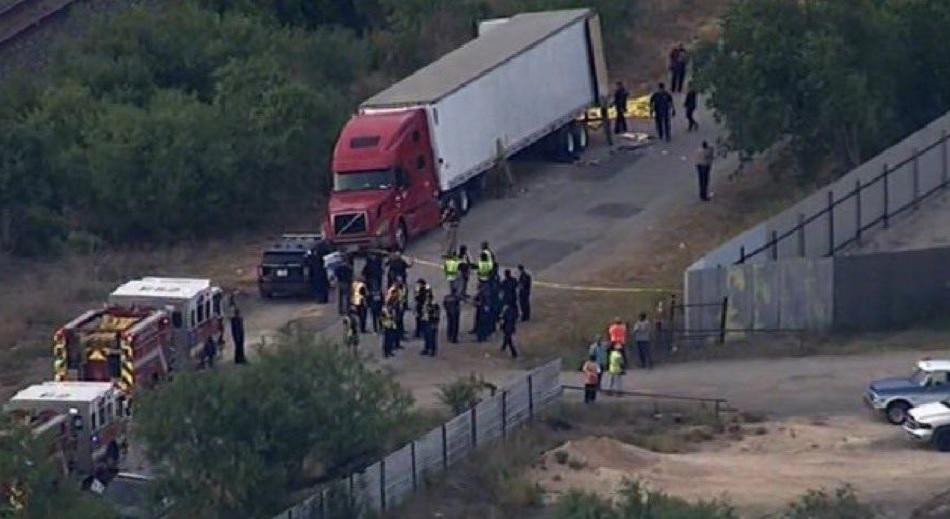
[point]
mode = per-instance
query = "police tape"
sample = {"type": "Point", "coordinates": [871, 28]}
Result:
{"type": "Point", "coordinates": [577, 288]}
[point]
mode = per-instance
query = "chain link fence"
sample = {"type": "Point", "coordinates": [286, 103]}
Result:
{"type": "Point", "coordinates": [391, 480]}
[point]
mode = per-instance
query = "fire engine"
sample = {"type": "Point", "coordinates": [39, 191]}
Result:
{"type": "Point", "coordinates": [147, 330]}
{"type": "Point", "coordinates": [85, 422]}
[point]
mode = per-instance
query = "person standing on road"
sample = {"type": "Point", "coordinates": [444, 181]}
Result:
{"type": "Point", "coordinates": [661, 108]}
{"type": "Point", "coordinates": [524, 293]}
{"type": "Point", "coordinates": [421, 298]}
{"type": "Point", "coordinates": [492, 258]}
{"type": "Point", "coordinates": [431, 331]}
{"type": "Point", "coordinates": [451, 266]}
{"type": "Point", "coordinates": [319, 279]}
{"type": "Point", "coordinates": [641, 336]}
{"type": "Point", "coordinates": [237, 335]}
{"type": "Point", "coordinates": [509, 291]}
{"type": "Point", "coordinates": [465, 270]}
{"type": "Point", "coordinates": [704, 160]}
{"type": "Point", "coordinates": [358, 298]}
{"type": "Point", "coordinates": [485, 268]}
{"type": "Point", "coordinates": [509, 319]}
{"type": "Point", "coordinates": [591, 371]}
{"type": "Point", "coordinates": [679, 58]}
{"type": "Point", "coordinates": [209, 351]}
{"type": "Point", "coordinates": [344, 281]}
{"type": "Point", "coordinates": [351, 333]}
{"type": "Point", "coordinates": [375, 310]}
{"type": "Point", "coordinates": [373, 272]}
{"type": "Point", "coordinates": [390, 337]}
{"type": "Point", "coordinates": [598, 351]}
{"type": "Point", "coordinates": [617, 334]}
{"type": "Point", "coordinates": [615, 371]}
{"type": "Point", "coordinates": [453, 312]}
{"type": "Point", "coordinates": [689, 105]}
{"type": "Point", "coordinates": [397, 268]}
{"type": "Point", "coordinates": [483, 317]}
{"type": "Point", "coordinates": [620, 105]}
{"type": "Point", "coordinates": [450, 223]}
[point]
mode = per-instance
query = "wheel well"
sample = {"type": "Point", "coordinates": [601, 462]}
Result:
{"type": "Point", "coordinates": [897, 401]}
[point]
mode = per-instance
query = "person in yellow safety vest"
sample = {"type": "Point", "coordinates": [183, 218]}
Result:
{"type": "Point", "coordinates": [358, 296]}
{"type": "Point", "coordinates": [450, 265]}
{"type": "Point", "coordinates": [389, 330]}
{"type": "Point", "coordinates": [485, 269]}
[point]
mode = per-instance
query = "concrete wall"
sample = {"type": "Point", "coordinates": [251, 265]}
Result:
{"type": "Point", "coordinates": [814, 238]}
{"type": "Point", "coordinates": [878, 291]}
{"type": "Point", "coordinates": [891, 290]}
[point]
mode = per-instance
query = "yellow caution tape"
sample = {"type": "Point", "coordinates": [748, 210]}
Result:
{"type": "Point", "coordinates": [578, 288]}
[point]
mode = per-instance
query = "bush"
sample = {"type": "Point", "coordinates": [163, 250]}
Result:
{"type": "Point", "coordinates": [636, 502]}
{"type": "Point", "coordinates": [819, 504]}
{"type": "Point", "coordinates": [462, 394]}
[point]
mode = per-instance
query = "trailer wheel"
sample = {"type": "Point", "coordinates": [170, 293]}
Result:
{"type": "Point", "coordinates": [463, 200]}
{"type": "Point", "coordinates": [580, 136]}
{"type": "Point", "coordinates": [566, 145]}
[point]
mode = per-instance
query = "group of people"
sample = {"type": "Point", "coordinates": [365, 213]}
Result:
{"type": "Point", "coordinates": [662, 110]}
{"type": "Point", "coordinates": [607, 363]}
{"type": "Point", "coordinates": [499, 302]}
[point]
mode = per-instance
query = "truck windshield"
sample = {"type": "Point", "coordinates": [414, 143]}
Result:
{"type": "Point", "coordinates": [357, 180]}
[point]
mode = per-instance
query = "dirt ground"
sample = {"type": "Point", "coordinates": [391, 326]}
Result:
{"type": "Point", "coordinates": [772, 464]}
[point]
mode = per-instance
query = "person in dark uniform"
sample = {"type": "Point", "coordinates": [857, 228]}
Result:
{"type": "Point", "coordinates": [421, 298]}
{"type": "Point", "coordinates": [390, 336]}
{"type": "Point", "coordinates": [209, 351]}
{"type": "Point", "coordinates": [318, 279]}
{"type": "Point", "coordinates": [678, 61]}
{"type": "Point", "coordinates": [431, 331]}
{"type": "Point", "coordinates": [375, 310]}
{"type": "Point", "coordinates": [237, 335]}
{"type": "Point", "coordinates": [509, 318]}
{"type": "Point", "coordinates": [373, 272]}
{"type": "Point", "coordinates": [453, 312]}
{"type": "Point", "coordinates": [344, 281]}
{"type": "Point", "coordinates": [620, 104]}
{"type": "Point", "coordinates": [397, 268]}
{"type": "Point", "coordinates": [483, 323]}
{"type": "Point", "coordinates": [690, 106]}
{"type": "Point", "coordinates": [524, 293]}
{"type": "Point", "coordinates": [661, 108]}
{"type": "Point", "coordinates": [465, 270]}
{"type": "Point", "coordinates": [509, 291]}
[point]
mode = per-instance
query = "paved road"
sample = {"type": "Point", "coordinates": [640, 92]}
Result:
{"type": "Point", "coordinates": [563, 222]}
{"type": "Point", "coordinates": [818, 385]}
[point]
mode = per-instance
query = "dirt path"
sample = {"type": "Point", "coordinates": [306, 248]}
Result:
{"type": "Point", "coordinates": [764, 471]}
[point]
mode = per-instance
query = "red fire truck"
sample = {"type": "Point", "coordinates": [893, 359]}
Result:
{"type": "Point", "coordinates": [149, 328]}
{"type": "Point", "coordinates": [84, 422]}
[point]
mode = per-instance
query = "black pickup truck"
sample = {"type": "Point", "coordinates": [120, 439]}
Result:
{"type": "Point", "coordinates": [294, 266]}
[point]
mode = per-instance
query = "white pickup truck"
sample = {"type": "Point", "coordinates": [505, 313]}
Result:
{"type": "Point", "coordinates": [930, 423]}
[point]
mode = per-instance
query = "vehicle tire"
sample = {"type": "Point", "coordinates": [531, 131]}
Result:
{"type": "Point", "coordinates": [400, 237]}
{"type": "Point", "coordinates": [568, 145]}
{"type": "Point", "coordinates": [266, 294]}
{"type": "Point", "coordinates": [896, 412]}
{"type": "Point", "coordinates": [580, 136]}
{"type": "Point", "coordinates": [941, 439]}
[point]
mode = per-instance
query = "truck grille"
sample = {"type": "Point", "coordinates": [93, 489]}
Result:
{"type": "Point", "coordinates": [349, 223]}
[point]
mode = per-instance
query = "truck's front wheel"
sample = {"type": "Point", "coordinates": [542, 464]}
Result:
{"type": "Point", "coordinates": [897, 412]}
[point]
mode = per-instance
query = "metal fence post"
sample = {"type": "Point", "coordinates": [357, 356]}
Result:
{"type": "Point", "coordinates": [722, 320]}
{"type": "Point", "coordinates": [412, 453]}
{"type": "Point", "coordinates": [474, 421]}
{"type": "Point", "coordinates": [504, 414]}
{"type": "Point", "coordinates": [742, 254]}
{"type": "Point", "coordinates": [886, 216]}
{"type": "Point", "coordinates": [801, 234]}
{"type": "Point", "coordinates": [831, 223]}
{"type": "Point", "coordinates": [774, 245]}
{"type": "Point", "coordinates": [943, 158]}
{"type": "Point", "coordinates": [530, 398]}
{"type": "Point", "coordinates": [445, 450]}
{"type": "Point", "coordinates": [857, 209]}
{"type": "Point", "coordinates": [916, 172]}
{"type": "Point", "coordinates": [382, 483]}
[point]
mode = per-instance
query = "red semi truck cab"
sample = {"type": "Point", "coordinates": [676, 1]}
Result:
{"type": "Point", "coordinates": [384, 184]}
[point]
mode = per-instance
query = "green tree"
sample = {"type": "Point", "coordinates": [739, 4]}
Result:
{"type": "Point", "coordinates": [238, 442]}
{"type": "Point", "coordinates": [821, 73]}
{"type": "Point", "coordinates": [26, 467]}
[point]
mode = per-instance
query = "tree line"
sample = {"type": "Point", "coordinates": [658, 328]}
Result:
{"type": "Point", "coordinates": [206, 116]}
{"type": "Point", "coordinates": [839, 79]}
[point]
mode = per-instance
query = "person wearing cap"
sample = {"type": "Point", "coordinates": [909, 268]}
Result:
{"type": "Point", "coordinates": [397, 267]}
{"type": "Point", "coordinates": [421, 298]}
